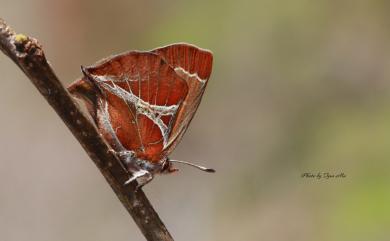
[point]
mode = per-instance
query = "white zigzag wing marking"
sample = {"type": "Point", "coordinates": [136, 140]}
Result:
{"type": "Point", "coordinates": [153, 112]}
{"type": "Point", "coordinates": [183, 71]}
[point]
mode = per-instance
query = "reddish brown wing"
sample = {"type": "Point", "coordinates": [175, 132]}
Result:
{"type": "Point", "coordinates": [194, 65]}
{"type": "Point", "coordinates": [139, 96]}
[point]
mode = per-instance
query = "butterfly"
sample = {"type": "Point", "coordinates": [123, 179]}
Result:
{"type": "Point", "coordinates": [142, 103]}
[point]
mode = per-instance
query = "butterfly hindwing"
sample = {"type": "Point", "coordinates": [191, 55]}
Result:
{"type": "Point", "coordinates": [139, 96]}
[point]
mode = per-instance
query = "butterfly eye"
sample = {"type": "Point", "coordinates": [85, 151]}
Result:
{"type": "Point", "coordinates": [166, 166]}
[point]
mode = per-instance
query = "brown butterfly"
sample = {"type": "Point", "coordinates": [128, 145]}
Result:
{"type": "Point", "coordinates": [143, 102]}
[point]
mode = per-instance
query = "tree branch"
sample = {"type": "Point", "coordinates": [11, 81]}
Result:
{"type": "Point", "coordinates": [28, 54]}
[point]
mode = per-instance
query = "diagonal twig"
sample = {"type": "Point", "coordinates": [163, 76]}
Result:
{"type": "Point", "coordinates": [28, 55]}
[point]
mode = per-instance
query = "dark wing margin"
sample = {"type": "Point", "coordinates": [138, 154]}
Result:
{"type": "Point", "coordinates": [194, 65]}
{"type": "Point", "coordinates": [134, 98]}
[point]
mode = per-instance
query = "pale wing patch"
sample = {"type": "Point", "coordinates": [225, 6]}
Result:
{"type": "Point", "coordinates": [182, 71]}
{"type": "Point", "coordinates": [153, 112]}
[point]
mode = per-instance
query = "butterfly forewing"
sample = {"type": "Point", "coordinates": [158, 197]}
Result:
{"type": "Point", "coordinates": [194, 65]}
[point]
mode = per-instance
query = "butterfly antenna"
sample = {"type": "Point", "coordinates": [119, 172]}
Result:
{"type": "Point", "coordinates": [202, 168]}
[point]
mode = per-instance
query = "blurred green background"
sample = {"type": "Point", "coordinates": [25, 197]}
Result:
{"type": "Point", "coordinates": [297, 86]}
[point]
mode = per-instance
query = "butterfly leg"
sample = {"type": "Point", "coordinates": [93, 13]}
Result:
{"type": "Point", "coordinates": [142, 176]}
{"type": "Point", "coordinates": [135, 171]}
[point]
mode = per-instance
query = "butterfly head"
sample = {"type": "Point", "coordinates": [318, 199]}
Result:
{"type": "Point", "coordinates": [167, 167]}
